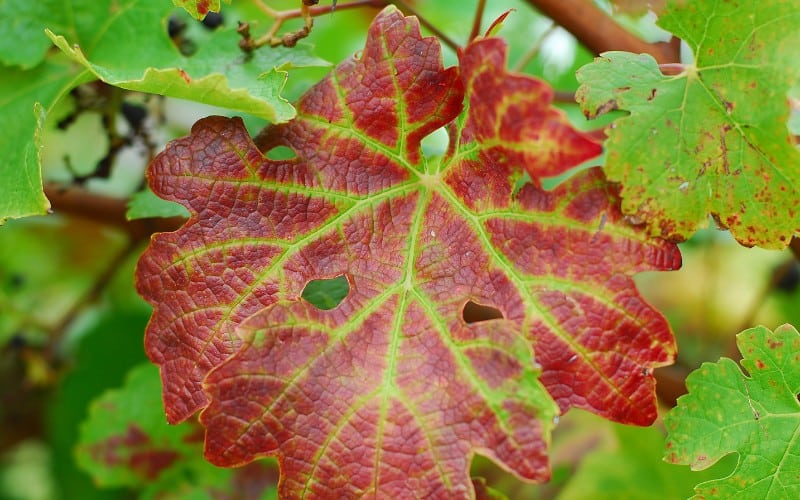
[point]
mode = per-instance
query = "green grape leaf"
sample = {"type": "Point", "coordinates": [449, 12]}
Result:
{"type": "Point", "coordinates": [87, 378]}
{"type": "Point", "coordinates": [25, 99]}
{"type": "Point", "coordinates": [124, 43]}
{"type": "Point", "coordinates": [23, 42]}
{"type": "Point", "coordinates": [485, 492]}
{"type": "Point", "coordinates": [398, 386]}
{"type": "Point", "coordinates": [199, 8]}
{"type": "Point", "coordinates": [125, 442]}
{"type": "Point", "coordinates": [218, 73]}
{"type": "Point", "coordinates": [756, 415]}
{"type": "Point", "coordinates": [712, 139]}
{"type": "Point", "coordinates": [144, 204]}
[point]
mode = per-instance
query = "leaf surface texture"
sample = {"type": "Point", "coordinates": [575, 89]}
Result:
{"type": "Point", "coordinates": [393, 391]}
{"type": "Point", "coordinates": [712, 140]}
{"type": "Point", "coordinates": [756, 415]}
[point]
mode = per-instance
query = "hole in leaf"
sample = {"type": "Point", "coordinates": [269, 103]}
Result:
{"type": "Point", "coordinates": [281, 153]}
{"type": "Point", "coordinates": [524, 178]}
{"type": "Point", "coordinates": [435, 143]}
{"type": "Point", "coordinates": [474, 312]}
{"type": "Point", "coordinates": [327, 293]}
{"type": "Point", "coordinates": [176, 29]}
{"type": "Point", "coordinates": [793, 124]}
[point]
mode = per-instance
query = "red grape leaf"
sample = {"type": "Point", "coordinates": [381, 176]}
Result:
{"type": "Point", "coordinates": [393, 389]}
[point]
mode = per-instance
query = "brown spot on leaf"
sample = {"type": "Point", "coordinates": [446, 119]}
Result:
{"type": "Point", "coordinates": [133, 450]}
{"type": "Point", "coordinates": [728, 106]}
{"type": "Point", "coordinates": [149, 464]}
{"type": "Point", "coordinates": [724, 148]}
{"type": "Point", "coordinates": [607, 106]}
{"type": "Point", "coordinates": [774, 344]}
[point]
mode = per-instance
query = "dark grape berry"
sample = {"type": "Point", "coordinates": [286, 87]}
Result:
{"type": "Point", "coordinates": [134, 114]}
{"type": "Point", "coordinates": [790, 279]}
{"type": "Point", "coordinates": [16, 280]}
{"type": "Point", "coordinates": [17, 341]}
{"type": "Point", "coordinates": [175, 26]}
{"type": "Point", "coordinates": [213, 20]}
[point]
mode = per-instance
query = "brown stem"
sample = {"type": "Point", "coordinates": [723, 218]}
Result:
{"type": "Point", "coordinates": [672, 68]}
{"type": "Point", "coordinates": [794, 246]}
{"type": "Point", "coordinates": [52, 352]}
{"type": "Point", "coordinates": [306, 11]}
{"type": "Point", "coordinates": [598, 32]}
{"type": "Point", "coordinates": [564, 97]}
{"type": "Point", "coordinates": [476, 23]}
{"type": "Point", "coordinates": [670, 383]}
{"type": "Point", "coordinates": [78, 201]}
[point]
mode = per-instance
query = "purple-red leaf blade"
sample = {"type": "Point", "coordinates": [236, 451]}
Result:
{"type": "Point", "coordinates": [355, 410]}
{"type": "Point", "coordinates": [395, 389]}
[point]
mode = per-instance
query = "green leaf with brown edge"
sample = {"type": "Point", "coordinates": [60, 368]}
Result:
{"type": "Point", "coordinates": [756, 415]}
{"type": "Point", "coordinates": [712, 139]}
{"type": "Point", "coordinates": [125, 441]}
{"type": "Point", "coordinates": [29, 88]}
{"type": "Point", "coordinates": [25, 99]}
{"type": "Point", "coordinates": [393, 390]}
{"type": "Point", "coordinates": [218, 73]}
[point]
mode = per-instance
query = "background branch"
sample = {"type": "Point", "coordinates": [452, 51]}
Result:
{"type": "Point", "coordinates": [599, 33]}
{"type": "Point", "coordinates": [477, 20]}
{"type": "Point", "coordinates": [74, 200]}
